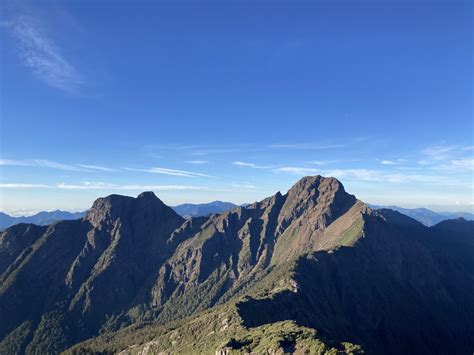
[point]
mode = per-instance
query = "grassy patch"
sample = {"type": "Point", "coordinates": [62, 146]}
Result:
{"type": "Point", "coordinates": [351, 234]}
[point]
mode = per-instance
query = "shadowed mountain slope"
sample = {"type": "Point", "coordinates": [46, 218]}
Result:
{"type": "Point", "coordinates": [70, 275]}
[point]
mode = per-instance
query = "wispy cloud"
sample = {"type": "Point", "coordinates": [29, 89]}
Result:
{"type": "Point", "coordinates": [464, 163]}
{"type": "Point", "coordinates": [249, 165]}
{"type": "Point", "coordinates": [96, 167]}
{"type": "Point", "coordinates": [321, 162]}
{"type": "Point", "coordinates": [163, 187]}
{"type": "Point", "coordinates": [458, 165]}
{"type": "Point", "coordinates": [309, 146]}
{"type": "Point", "coordinates": [449, 158]}
{"type": "Point", "coordinates": [173, 172]}
{"type": "Point", "coordinates": [102, 186]}
{"type": "Point", "coordinates": [200, 150]}
{"type": "Point", "coordinates": [55, 165]}
{"type": "Point", "coordinates": [196, 149]}
{"type": "Point", "coordinates": [40, 53]}
{"type": "Point", "coordinates": [43, 163]}
{"type": "Point", "coordinates": [14, 162]}
{"type": "Point", "coordinates": [295, 170]}
{"type": "Point", "coordinates": [171, 146]}
{"type": "Point", "coordinates": [198, 162]}
{"type": "Point", "coordinates": [244, 186]}
{"type": "Point", "coordinates": [216, 150]}
{"type": "Point", "coordinates": [373, 175]}
{"type": "Point", "coordinates": [440, 152]}
{"type": "Point", "coordinates": [370, 175]}
{"type": "Point", "coordinates": [23, 186]}
{"type": "Point", "coordinates": [389, 162]}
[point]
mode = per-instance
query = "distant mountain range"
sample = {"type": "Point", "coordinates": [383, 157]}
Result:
{"type": "Point", "coordinates": [428, 217]}
{"type": "Point", "coordinates": [40, 219]}
{"type": "Point", "coordinates": [314, 270]}
{"type": "Point", "coordinates": [187, 210]}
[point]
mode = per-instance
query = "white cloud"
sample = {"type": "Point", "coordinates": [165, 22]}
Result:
{"type": "Point", "coordinates": [8, 162]}
{"type": "Point", "coordinates": [21, 212]}
{"type": "Point", "coordinates": [42, 55]}
{"type": "Point", "coordinates": [102, 186]}
{"type": "Point", "coordinates": [198, 162]}
{"type": "Point", "coordinates": [379, 176]}
{"type": "Point", "coordinates": [297, 170]}
{"type": "Point", "coordinates": [173, 172]}
{"type": "Point", "coordinates": [369, 175]}
{"type": "Point", "coordinates": [308, 146]}
{"type": "Point", "coordinates": [163, 187]}
{"type": "Point", "coordinates": [249, 165]}
{"type": "Point", "coordinates": [244, 186]}
{"type": "Point", "coordinates": [464, 163]}
{"type": "Point", "coordinates": [321, 162]}
{"type": "Point", "coordinates": [23, 186]}
{"type": "Point", "coordinates": [43, 163]}
{"type": "Point", "coordinates": [56, 165]}
{"type": "Point", "coordinates": [449, 158]}
{"type": "Point", "coordinates": [440, 152]}
{"type": "Point", "coordinates": [85, 186]}
{"type": "Point", "coordinates": [196, 149]}
{"type": "Point", "coordinates": [96, 167]}
{"type": "Point", "coordinates": [388, 162]}
{"type": "Point", "coordinates": [457, 165]}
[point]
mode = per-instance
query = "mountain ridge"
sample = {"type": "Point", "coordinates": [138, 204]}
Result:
{"type": "Point", "coordinates": [188, 210]}
{"type": "Point", "coordinates": [135, 261]}
{"type": "Point", "coordinates": [426, 216]}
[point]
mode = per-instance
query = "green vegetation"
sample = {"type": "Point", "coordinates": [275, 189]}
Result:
{"type": "Point", "coordinates": [352, 234]}
{"type": "Point", "coordinates": [49, 337]}
{"type": "Point", "coordinates": [284, 243]}
{"type": "Point", "coordinates": [17, 340]}
{"type": "Point", "coordinates": [218, 329]}
{"type": "Point", "coordinates": [285, 337]}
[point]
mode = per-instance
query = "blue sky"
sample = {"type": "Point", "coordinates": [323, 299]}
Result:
{"type": "Point", "coordinates": [235, 100]}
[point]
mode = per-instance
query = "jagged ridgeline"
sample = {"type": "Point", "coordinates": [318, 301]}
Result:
{"type": "Point", "coordinates": [314, 270]}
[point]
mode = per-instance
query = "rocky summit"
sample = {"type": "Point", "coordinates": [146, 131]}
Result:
{"type": "Point", "coordinates": [314, 270]}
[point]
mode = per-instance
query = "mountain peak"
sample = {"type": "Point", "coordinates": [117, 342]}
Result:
{"type": "Point", "coordinates": [148, 195]}
{"type": "Point", "coordinates": [311, 205]}
{"type": "Point", "coordinates": [317, 190]}
{"type": "Point", "coordinates": [313, 182]}
{"type": "Point", "coordinates": [113, 207]}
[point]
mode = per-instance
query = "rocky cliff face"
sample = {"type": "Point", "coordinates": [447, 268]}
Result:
{"type": "Point", "coordinates": [235, 249]}
{"type": "Point", "coordinates": [72, 275]}
{"type": "Point", "coordinates": [315, 256]}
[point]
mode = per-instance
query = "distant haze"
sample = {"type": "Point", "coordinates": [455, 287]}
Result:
{"type": "Point", "coordinates": [189, 210]}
